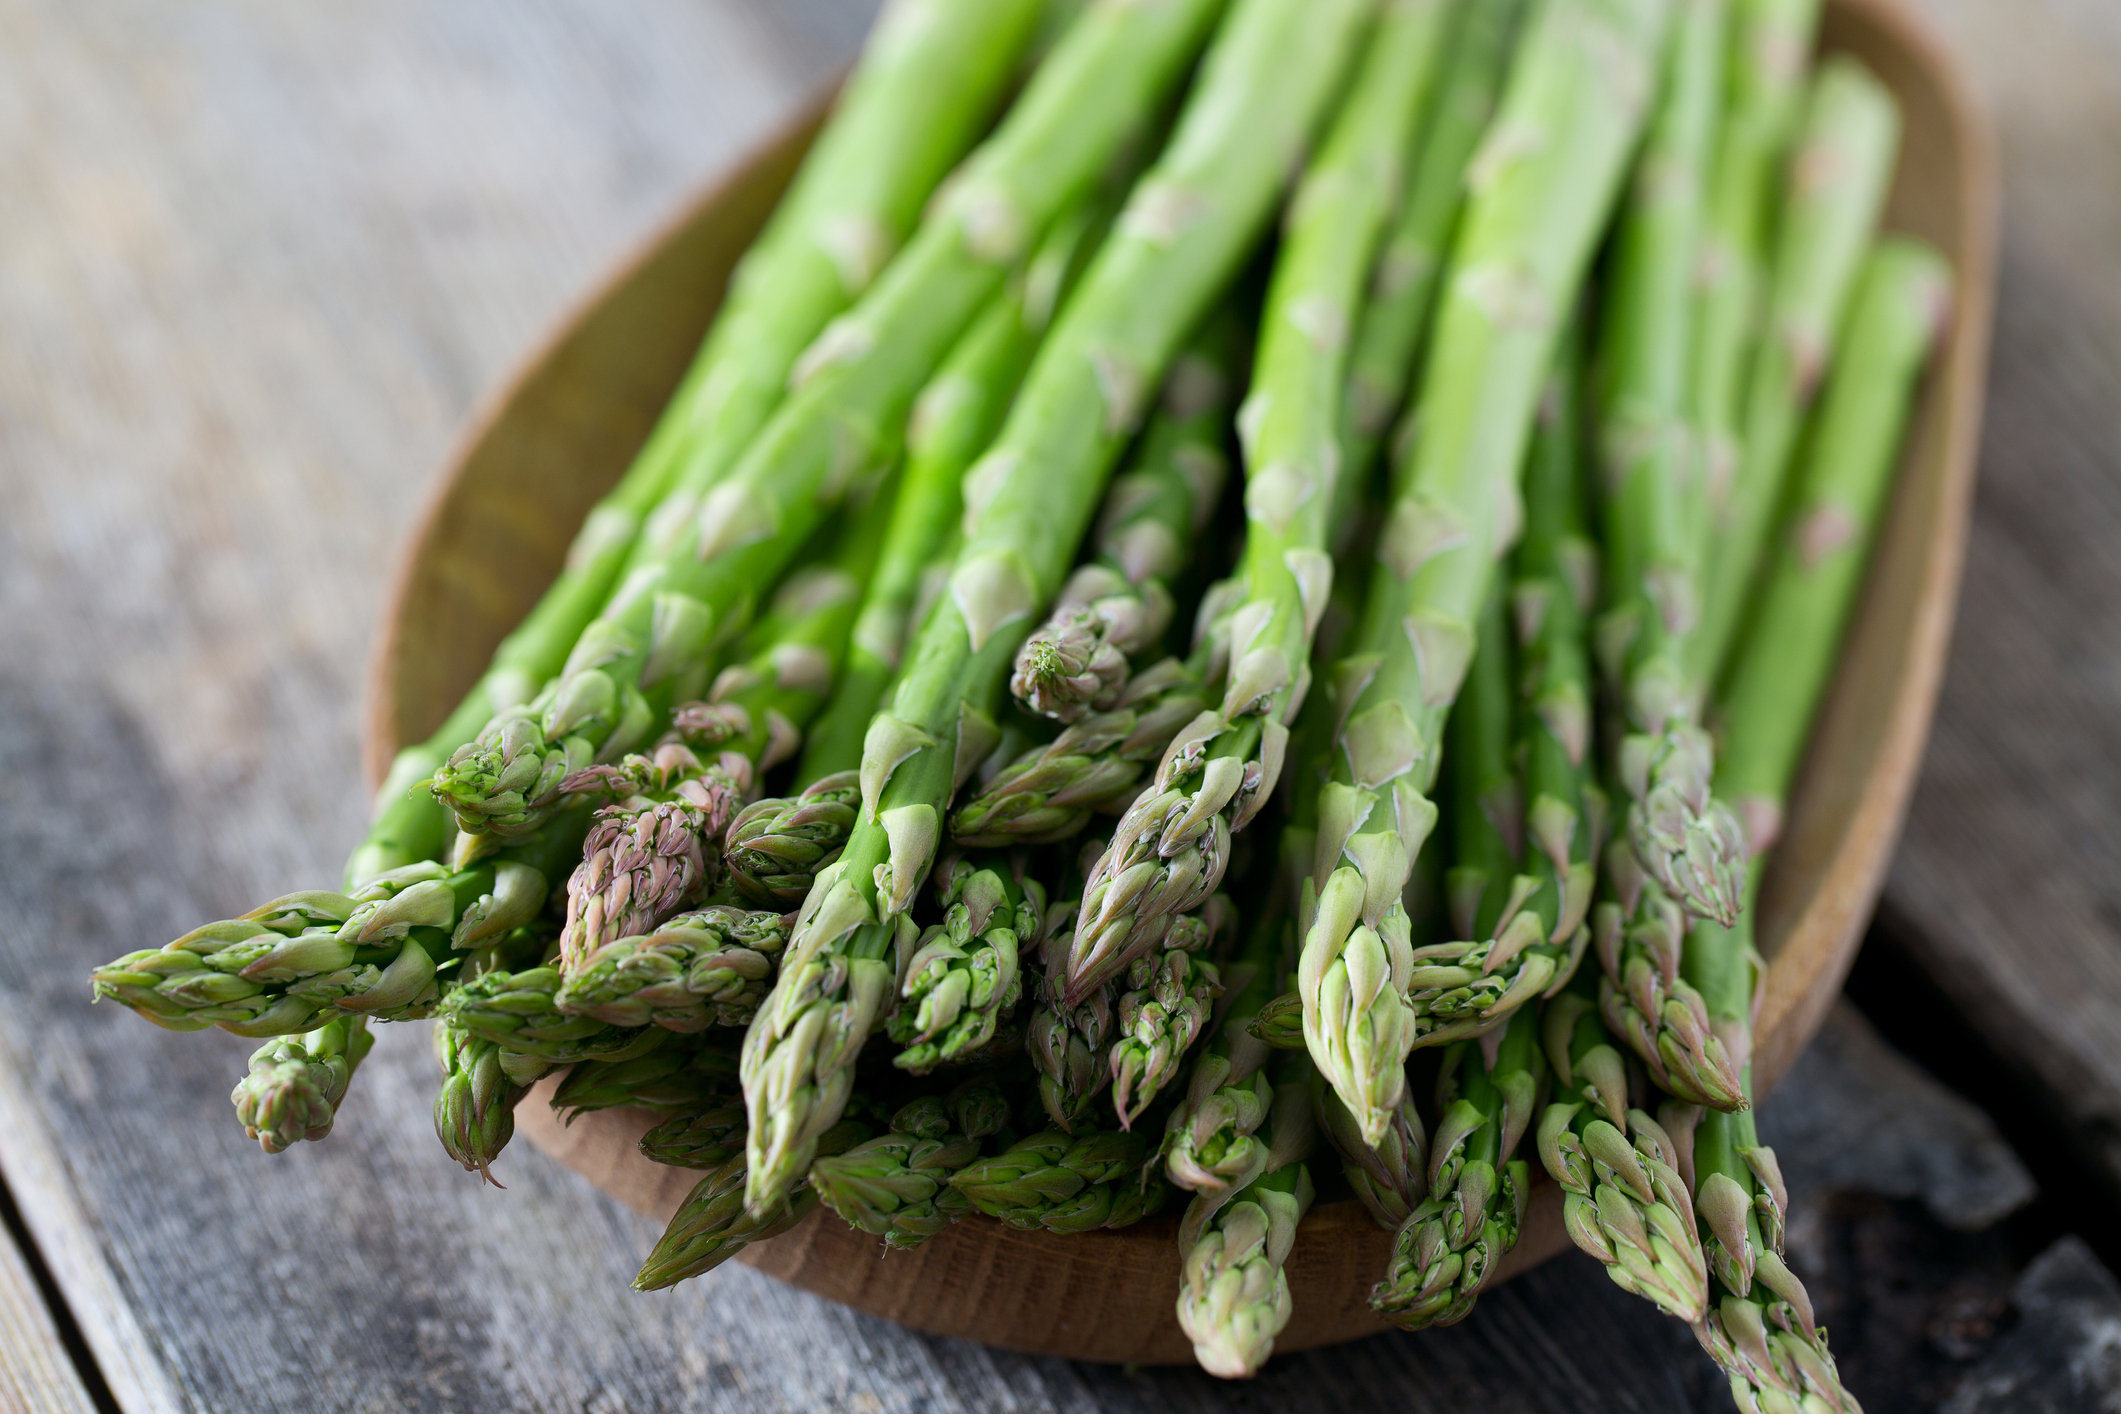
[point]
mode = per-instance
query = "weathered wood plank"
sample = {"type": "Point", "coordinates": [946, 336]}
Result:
{"type": "Point", "coordinates": [2006, 878]}
{"type": "Point", "coordinates": [35, 1371]}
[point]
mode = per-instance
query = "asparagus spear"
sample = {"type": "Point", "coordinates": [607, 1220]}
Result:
{"type": "Point", "coordinates": [1837, 180]}
{"type": "Point", "coordinates": [1171, 846]}
{"type": "Point", "coordinates": [1391, 1178]}
{"type": "Point", "coordinates": [1475, 50]}
{"type": "Point", "coordinates": [674, 1077]}
{"type": "Point", "coordinates": [1066, 1183]}
{"type": "Point", "coordinates": [713, 1224]}
{"type": "Point", "coordinates": [1627, 1204]}
{"type": "Point", "coordinates": [1770, 47]}
{"type": "Point", "coordinates": [1542, 188]}
{"type": "Point", "coordinates": [474, 1111]}
{"type": "Point", "coordinates": [1163, 1011]}
{"type": "Point", "coordinates": [965, 973]}
{"type": "Point", "coordinates": [1449, 1244]}
{"type": "Point", "coordinates": [776, 847]}
{"type": "Point", "coordinates": [1234, 1294]}
{"type": "Point", "coordinates": [1649, 456]}
{"type": "Point", "coordinates": [709, 967]}
{"type": "Point", "coordinates": [897, 1186]}
{"type": "Point", "coordinates": [1100, 87]}
{"type": "Point", "coordinates": [953, 420]}
{"type": "Point", "coordinates": [1118, 606]}
{"type": "Point", "coordinates": [282, 968]}
{"type": "Point", "coordinates": [1760, 1325]}
{"type": "Point", "coordinates": [1210, 1140]}
{"type": "Point", "coordinates": [925, 86]}
{"type": "Point", "coordinates": [519, 1012]}
{"type": "Point", "coordinates": [697, 1139]}
{"type": "Point", "coordinates": [1187, 226]}
{"type": "Point", "coordinates": [295, 1083]}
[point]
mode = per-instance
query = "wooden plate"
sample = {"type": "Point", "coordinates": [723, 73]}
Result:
{"type": "Point", "coordinates": [560, 432]}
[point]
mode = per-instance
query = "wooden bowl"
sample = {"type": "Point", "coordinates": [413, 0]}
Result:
{"type": "Point", "coordinates": [559, 433]}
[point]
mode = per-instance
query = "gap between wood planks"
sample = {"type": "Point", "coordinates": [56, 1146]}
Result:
{"type": "Point", "coordinates": [68, 1330]}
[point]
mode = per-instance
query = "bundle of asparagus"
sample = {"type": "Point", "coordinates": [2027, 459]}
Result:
{"type": "Point", "coordinates": [987, 955]}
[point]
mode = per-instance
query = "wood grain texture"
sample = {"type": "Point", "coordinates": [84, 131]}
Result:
{"type": "Point", "coordinates": [572, 418]}
{"type": "Point", "coordinates": [2008, 885]}
{"type": "Point", "coordinates": [35, 1370]}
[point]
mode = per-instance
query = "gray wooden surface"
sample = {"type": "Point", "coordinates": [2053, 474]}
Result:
{"type": "Point", "coordinates": [260, 259]}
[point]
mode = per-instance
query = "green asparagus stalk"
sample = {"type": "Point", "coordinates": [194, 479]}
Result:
{"type": "Point", "coordinates": [1461, 989]}
{"type": "Point", "coordinates": [675, 1077]}
{"type": "Point", "coordinates": [932, 74]}
{"type": "Point", "coordinates": [697, 1139]}
{"type": "Point", "coordinates": [840, 426]}
{"type": "Point", "coordinates": [1066, 1183]}
{"type": "Point", "coordinates": [1770, 49]}
{"type": "Point", "coordinates": [953, 420]}
{"type": "Point", "coordinates": [1448, 1246]}
{"type": "Point", "coordinates": [1554, 585]}
{"type": "Point", "coordinates": [474, 1111]}
{"type": "Point", "coordinates": [897, 1186]}
{"type": "Point", "coordinates": [519, 1012]}
{"type": "Point", "coordinates": [1627, 1204]}
{"type": "Point", "coordinates": [1117, 607]}
{"type": "Point", "coordinates": [1651, 469]}
{"type": "Point", "coordinates": [1760, 1325]}
{"type": "Point", "coordinates": [295, 1083]}
{"type": "Point", "coordinates": [710, 967]}
{"type": "Point", "coordinates": [713, 1224]}
{"type": "Point", "coordinates": [1542, 188]}
{"type": "Point", "coordinates": [1467, 77]}
{"type": "Point", "coordinates": [1170, 848]}
{"type": "Point", "coordinates": [1211, 1142]}
{"type": "Point", "coordinates": [1050, 792]}
{"type": "Point", "coordinates": [1186, 228]}
{"type": "Point", "coordinates": [1391, 1178]}
{"type": "Point", "coordinates": [290, 964]}
{"type": "Point", "coordinates": [1233, 1298]}
{"type": "Point", "coordinates": [1169, 996]}
{"type": "Point", "coordinates": [1837, 181]}
{"type": "Point", "coordinates": [966, 973]}
{"type": "Point", "coordinates": [776, 847]}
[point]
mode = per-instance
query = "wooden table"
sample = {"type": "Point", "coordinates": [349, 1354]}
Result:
{"type": "Point", "coordinates": [262, 259]}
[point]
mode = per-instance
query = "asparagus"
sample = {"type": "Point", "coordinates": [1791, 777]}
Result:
{"type": "Point", "coordinates": [709, 967]}
{"type": "Point", "coordinates": [1461, 989]}
{"type": "Point", "coordinates": [713, 1224]}
{"type": "Point", "coordinates": [1100, 87]}
{"type": "Point", "coordinates": [474, 1111]}
{"type": "Point", "coordinates": [953, 420]}
{"type": "Point", "coordinates": [1118, 606]}
{"type": "Point", "coordinates": [1389, 1179]}
{"type": "Point", "coordinates": [1770, 45]}
{"type": "Point", "coordinates": [671, 1077]}
{"type": "Point", "coordinates": [933, 72]}
{"type": "Point", "coordinates": [965, 973]}
{"type": "Point", "coordinates": [283, 967]}
{"type": "Point", "coordinates": [519, 1012]}
{"type": "Point", "coordinates": [295, 1083]}
{"type": "Point", "coordinates": [1760, 1325]}
{"type": "Point", "coordinates": [1187, 226]}
{"type": "Point", "coordinates": [776, 847]}
{"type": "Point", "coordinates": [1467, 75]}
{"type": "Point", "coordinates": [1057, 1182]}
{"type": "Point", "coordinates": [697, 1139]}
{"type": "Point", "coordinates": [1651, 474]}
{"type": "Point", "coordinates": [897, 1186]}
{"type": "Point", "coordinates": [1836, 186]}
{"type": "Point", "coordinates": [1449, 1244]}
{"type": "Point", "coordinates": [1542, 187]}
{"type": "Point", "coordinates": [1210, 1140]}
{"type": "Point", "coordinates": [1627, 1204]}
{"type": "Point", "coordinates": [1162, 1013]}
{"type": "Point", "coordinates": [1233, 1297]}
{"type": "Point", "coordinates": [1050, 792]}
{"type": "Point", "coordinates": [1171, 846]}
{"type": "Point", "coordinates": [1554, 585]}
